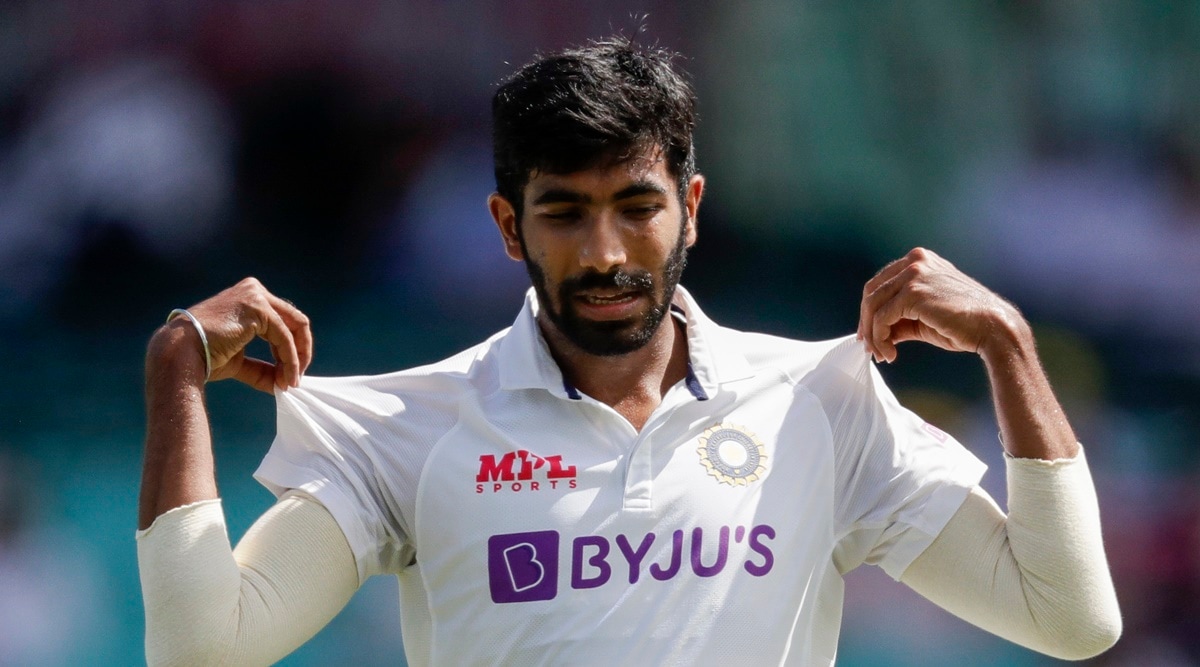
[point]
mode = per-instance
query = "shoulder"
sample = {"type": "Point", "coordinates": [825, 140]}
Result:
{"type": "Point", "coordinates": [797, 359]}
{"type": "Point", "coordinates": [434, 386]}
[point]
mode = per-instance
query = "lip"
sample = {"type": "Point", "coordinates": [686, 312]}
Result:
{"type": "Point", "coordinates": [608, 304]}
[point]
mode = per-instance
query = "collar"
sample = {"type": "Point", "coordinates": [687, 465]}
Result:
{"type": "Point", "coordinates": [525, 361]}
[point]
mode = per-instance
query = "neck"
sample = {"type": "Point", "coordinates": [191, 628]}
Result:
{"type": "Point", "coordinates": [633, 384]}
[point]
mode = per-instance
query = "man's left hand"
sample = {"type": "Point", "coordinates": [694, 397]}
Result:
{"type": "Point", "coordinates": [923, 297]}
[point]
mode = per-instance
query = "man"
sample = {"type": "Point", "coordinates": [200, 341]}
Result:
{"type": "Point", "coordinates": [615, 479]}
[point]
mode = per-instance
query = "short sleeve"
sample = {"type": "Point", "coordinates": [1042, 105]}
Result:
{"type": "Point", "coordinates": [322, 447]}
{"type": "Point", "coordinates": [899, 480]}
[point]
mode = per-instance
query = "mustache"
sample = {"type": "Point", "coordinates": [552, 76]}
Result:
{"type": "Point", "coordinates": [618, 278]}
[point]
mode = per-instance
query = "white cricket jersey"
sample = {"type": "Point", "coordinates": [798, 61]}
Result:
{"type": "Point", "coordinates": [530, 524]}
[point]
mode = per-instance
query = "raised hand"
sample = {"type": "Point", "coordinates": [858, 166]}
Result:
{"type": "Point", "coordinates": [234, 317]}
{"type": "Point", "coordinates": [921, 296]}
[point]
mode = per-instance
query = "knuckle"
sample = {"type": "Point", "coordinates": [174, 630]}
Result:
{"type": "Point", "coordinates": [918, 254]}
{"type": "Point", "coordinates": [259, 302]}
{"type": "Point", "coordinates": [252, 313]}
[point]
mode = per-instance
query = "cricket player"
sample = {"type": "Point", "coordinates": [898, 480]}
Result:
{"type": "Point", "coordinates": [616, 478]}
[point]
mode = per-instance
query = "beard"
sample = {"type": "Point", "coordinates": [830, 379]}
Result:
{"type": "Point", "coordinates": [615, 337]}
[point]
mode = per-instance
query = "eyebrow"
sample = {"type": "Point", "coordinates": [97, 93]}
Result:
{"type": "Point", "coordinates": [638, 189]}
{"type": "Point", "coordinates": [561, 196]}
{"type": "Point", "coordinates": [565, 196]}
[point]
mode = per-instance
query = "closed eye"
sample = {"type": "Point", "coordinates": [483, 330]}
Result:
{"type": "Point", "coordinates": [561, 216]}
{"type": "Point", "coordinates": [643, 212]}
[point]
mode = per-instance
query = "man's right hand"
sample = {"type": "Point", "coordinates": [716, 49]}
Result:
{"type": "Point", "coordinates": [177, 468]}
{"type": "Point", "coordinates": [234, 317]}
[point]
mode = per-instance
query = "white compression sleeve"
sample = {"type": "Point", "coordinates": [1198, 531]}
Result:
{"type": "Point", "coordinates": [207, 604]}
{"type": "Point", "coordinates": [1038, 577]}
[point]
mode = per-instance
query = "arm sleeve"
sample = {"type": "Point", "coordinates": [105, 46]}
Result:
{"type": "Point", "coordinates": [1037, 577]}
{"type": "Point", "coordinates": [897, 479]}
{"type": "Point", "coordinates": [207, 604]}
{"type": "Point", "coordinates": [324, 447]}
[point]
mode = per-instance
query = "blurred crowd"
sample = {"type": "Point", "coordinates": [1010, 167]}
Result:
{"type": "Point", "coordinates": [153, 152]}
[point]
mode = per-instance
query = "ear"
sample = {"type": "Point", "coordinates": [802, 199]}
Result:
{"type": "Point", "coordinates": [506, 219]}
{"type": "Point", "coordinates": [695, 190]}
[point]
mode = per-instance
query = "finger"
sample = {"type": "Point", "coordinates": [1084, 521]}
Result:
{"type": "Point", "coordinates": [894, 318]}
{"type": "Point", "coordinates": [884, 275]}
{"type": "Point", "coordinates": [283, 347]}
{"type": "Point", "coordinates": [299, 325]}
{"type": "Point", "coordinates": [881, 328]}
{"type": "Point", "coordinates": [257, 373]}
{"type": "Point", "coordinates": [887, 273]}
{"type": "Point", "coordinates": [882, 295]}
{"type": "Point", "coordinates": [916, 330]}
{"type": "Point", "coordinates": [904, 319]}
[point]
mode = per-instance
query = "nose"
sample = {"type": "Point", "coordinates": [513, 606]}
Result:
{"type": "Point", "coordinates": [603, 247]}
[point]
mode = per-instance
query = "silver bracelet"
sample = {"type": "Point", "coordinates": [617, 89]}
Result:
{"type": "Point", "coordinates": [203, 339]}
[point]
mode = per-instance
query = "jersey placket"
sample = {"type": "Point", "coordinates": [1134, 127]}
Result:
{"type": "Point", "coordinates": [638, 465]}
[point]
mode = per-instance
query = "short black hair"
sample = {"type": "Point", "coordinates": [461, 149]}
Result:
{"type": "Point", "coordinates": [582, 107]}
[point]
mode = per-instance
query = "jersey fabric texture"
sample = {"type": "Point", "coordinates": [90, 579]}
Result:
{"type": "Point", "coordinates": [530, 524]}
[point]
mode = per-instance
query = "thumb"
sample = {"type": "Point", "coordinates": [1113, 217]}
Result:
{"type": "Point", "coordinates": [916, 330]}
{"type": "Point", "coordinates": [257, 373]}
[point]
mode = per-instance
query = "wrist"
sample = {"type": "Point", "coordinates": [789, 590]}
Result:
{"type": "Point", "coordinates": [175, 352]}
{"type": "Point", "coordinates": [1008, 337]}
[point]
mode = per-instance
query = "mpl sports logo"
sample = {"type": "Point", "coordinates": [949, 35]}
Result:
{"type": "Point", "coordinates": [523, 567]}
{"type": "Point", "coordinates": [523, 471]}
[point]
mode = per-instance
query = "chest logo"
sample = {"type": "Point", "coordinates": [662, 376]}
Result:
{"type": "Point", "coordinates": [732, 454]}
{"type": "Point", "coordinates": [523, 471]}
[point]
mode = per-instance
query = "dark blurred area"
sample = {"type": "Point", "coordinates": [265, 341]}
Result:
{"type": "Point", "coordinates": [152, 153]}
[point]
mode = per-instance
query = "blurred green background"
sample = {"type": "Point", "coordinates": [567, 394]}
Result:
{"type": "Point", "coordinates": [151, 153]}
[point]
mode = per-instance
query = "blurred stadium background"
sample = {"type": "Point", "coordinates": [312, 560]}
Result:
{"type": "Point", "coordinates": [153, 152]}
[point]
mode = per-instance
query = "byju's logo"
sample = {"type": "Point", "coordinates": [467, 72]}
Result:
{"type": "Point", "coordinates": [523, 567]}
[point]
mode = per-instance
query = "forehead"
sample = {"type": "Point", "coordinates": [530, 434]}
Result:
{"type": "Point", "coordinates": [606, 177]}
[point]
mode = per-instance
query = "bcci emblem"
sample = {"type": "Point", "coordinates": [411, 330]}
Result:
{"type": "Point", "coordinates": [732, 454]}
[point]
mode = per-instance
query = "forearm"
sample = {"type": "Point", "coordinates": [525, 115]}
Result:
{"type": "Point", "coordinates": [1032, 423]}
{"type": "Point", "coordinates": [1038, 577]}
{"type": "Point", "coordinates": [207, 604]}
{"type": "Point", "coordinates": [177, 466]}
